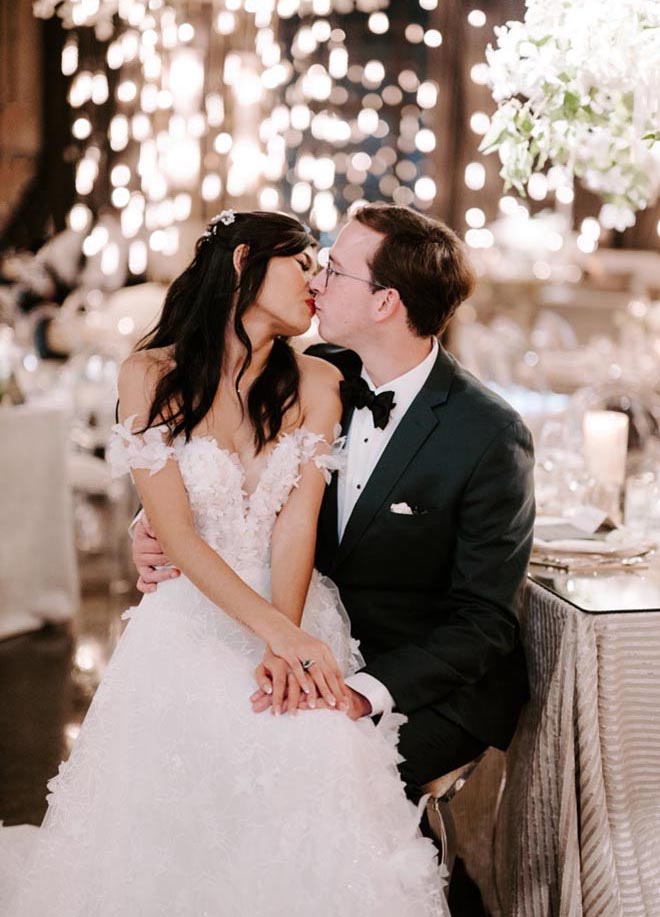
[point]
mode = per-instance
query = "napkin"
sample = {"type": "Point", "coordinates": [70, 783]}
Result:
{"type": "Point", "coordinates": [589, 532]}
{"type": "Point", "coordinates": [632, 548]}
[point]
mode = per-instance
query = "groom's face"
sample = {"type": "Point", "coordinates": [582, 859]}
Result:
{"type": "Point", "coordinates": [347, 306]}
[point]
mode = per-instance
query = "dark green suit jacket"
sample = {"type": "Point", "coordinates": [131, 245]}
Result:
{"type": "Point", "coordinates": [432, 596]}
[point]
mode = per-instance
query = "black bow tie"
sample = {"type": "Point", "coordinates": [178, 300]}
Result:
{"type": "Point", "coordinates": [356, 393]}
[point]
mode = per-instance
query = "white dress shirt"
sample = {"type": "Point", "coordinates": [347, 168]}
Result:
{"type": "Point", "coordinates": [364, 446]}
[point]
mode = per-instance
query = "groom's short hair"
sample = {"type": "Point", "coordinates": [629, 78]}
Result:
{"type": "Point", "coordinates": [423, 260]}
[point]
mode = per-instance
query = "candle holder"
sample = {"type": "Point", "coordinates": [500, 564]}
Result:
{"type": "Point", "coordinates": [609, 498]}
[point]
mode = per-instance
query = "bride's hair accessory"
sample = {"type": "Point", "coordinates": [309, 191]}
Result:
{"type": "Point", "coordinates": [226, 217]}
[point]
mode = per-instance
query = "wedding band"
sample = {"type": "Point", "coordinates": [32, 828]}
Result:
{"type": "Point", "coordinates": [307, 663]}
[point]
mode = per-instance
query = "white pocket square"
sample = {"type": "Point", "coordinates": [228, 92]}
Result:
{"type": "Point", "coordinates": [401, 509]}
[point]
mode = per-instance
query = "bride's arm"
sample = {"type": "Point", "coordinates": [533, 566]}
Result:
{"type": "Point", "coordinates": [165, 500]}
{"type": "Point", "coordinates": [294, 535]}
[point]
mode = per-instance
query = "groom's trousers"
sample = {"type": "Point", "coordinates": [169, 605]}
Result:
{"type": "Point", "coordinates": [432, 746]}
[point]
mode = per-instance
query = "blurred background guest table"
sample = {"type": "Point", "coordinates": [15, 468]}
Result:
{"type": "Point", "coordinates": [38, 569]}
{"type": "Point", "coordinates": [578, 830]}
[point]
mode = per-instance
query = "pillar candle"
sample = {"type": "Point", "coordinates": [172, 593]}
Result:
{"type": "Point", "coordinates": [605, 445]}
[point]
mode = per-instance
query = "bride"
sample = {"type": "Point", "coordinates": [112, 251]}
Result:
{"type": "Point", "coordinates": [178, 800]}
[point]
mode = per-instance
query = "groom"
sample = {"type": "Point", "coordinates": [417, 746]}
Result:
{"type": "Point", "coordinates": [428, 532]}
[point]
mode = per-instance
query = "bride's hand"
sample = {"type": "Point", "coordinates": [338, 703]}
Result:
{"type": "Point", "coordinates": [322, 673]}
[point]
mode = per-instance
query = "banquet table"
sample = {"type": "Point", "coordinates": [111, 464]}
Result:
{"type": "Point", "coordinates": [578, 827]}
{"type": "Point", "coordinates": [38, 571]}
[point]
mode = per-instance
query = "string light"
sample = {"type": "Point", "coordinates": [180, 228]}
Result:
{"type": "Point", "coordinates": [379, 23]}
{"type": "Point", "coordinates": [69, 58]}
{"type": "Point", "coordinates": [479, 238]}
{"type": "Point", "coordinates": [120, 197]}
{"type": "Point", "coordinates": [590, 228]}
{"type": "Point", "coordinates": [309, 125]}
{"type": "Point", "coordinates": [479, 122]}
{"type": "Point", "coordinates": [79, 217]}
{"type": "Point", "coordinates": [425, 188]}
{"type": "Point", "coordinates": [565, 194]}
{"type": "Point", "coordinates": [211, 187]}
{"type": "Point", "coordinates": [477, 18]}
{"type": "Point", "coordinates": [137, 257]}
{"type": "Point", "coordinates": [479, 74]}
{"type": "Point", "coordinates": [537, 187]}
{"type": "Point", "coordinates": [81, 128]}
{"type": "Point", "coordinates": [432, 38]}
{"type": "Point", "coordinates": [414, 33]}
{"type": "Point", "coordinates": [475, 217]}
{"type": "Point", "coordinates": [475, 176]}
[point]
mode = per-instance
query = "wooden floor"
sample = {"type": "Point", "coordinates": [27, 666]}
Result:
{"type": "Point", "coordinates": [38, 701]}
{"type": "Point", "coordinates": [47, 681]}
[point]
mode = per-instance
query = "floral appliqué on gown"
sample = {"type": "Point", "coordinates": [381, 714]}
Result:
{"type": "Point", "coordinates": [178, 800]}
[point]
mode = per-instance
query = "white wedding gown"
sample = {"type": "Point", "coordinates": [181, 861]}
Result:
{"type": "Point", "coordinates": [178, 800]}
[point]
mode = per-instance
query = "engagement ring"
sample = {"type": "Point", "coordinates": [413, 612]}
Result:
{"type": "Point", "coordinates": [307, 663]}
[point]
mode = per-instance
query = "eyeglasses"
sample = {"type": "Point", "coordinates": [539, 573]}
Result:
{"type": "Point", "coordinates": [331, 271]}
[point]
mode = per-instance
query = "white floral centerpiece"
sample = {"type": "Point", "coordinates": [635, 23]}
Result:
{"type": "Point", "coordinates": [578, 87]}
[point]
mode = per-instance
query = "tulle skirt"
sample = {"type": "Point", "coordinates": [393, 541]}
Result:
{"type": "Point", "coordinates": [179, 801]}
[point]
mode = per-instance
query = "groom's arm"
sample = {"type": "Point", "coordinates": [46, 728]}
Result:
{"type": "Point", "coordinates": [478, 625]}
{"type": "Point", "coordinates": [376, 696]}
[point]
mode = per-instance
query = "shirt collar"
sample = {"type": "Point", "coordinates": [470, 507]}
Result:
{"type": "Point", "coordinates": [412, 380]}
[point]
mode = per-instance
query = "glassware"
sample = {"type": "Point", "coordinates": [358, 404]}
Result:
{"type": "Point", "coordinates": [642, 504]}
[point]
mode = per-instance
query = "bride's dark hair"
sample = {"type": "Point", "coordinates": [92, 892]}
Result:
{"type": "Point", "coordinates": [196, 315]}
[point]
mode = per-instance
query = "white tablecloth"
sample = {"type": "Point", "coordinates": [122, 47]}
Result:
{"type": "Point", "coordinates": [38, 573]}
{"type": "Point", "coordinates": [579, 825]}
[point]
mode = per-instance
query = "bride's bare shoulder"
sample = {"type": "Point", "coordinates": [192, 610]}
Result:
{"type": "Point", "coordinates": [144, 364]}
{"type": "Point", "coordinates": [317, 374]}
{"type": "Point", "coordinates": [138, 377]}
{"type": "Point", "coordinates": [319, 388]}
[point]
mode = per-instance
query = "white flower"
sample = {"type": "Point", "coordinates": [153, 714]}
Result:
{"type": "Point", "coordinates": [577, 86]}
{"type": "Point", "coordinates": [226, 217]}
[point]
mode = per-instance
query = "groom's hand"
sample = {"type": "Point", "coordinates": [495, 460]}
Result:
{"type": "Point", "coordinates": [262, 699]}
{"type": "Point", "coordinates": [148, 556]}
{"type": "Point", "coordinates": [358, 705]}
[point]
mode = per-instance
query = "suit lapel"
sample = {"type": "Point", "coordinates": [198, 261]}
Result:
{"type": "Point", "coordinates": [412, 432]}
{"type": "Point", "coordinates": [350, 365]}
{"type": "Point", "coordinates": [328, 518]}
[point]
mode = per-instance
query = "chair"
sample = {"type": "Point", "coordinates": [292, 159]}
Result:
{"type": "Point", "coordinates": [38, 568]}
{"type": "Point", "coordinates": [442, 791]}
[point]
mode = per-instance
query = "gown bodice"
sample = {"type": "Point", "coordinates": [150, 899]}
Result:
{"type": "Point", "coordinates": [235, 523]}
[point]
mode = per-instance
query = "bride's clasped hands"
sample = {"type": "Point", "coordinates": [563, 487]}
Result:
{"type": "Point", "coordinates": [284, 683]}
{"type": "Point", "coordinates": [280, 691]}
{"type": "Point", "coordinates": [296, 666]}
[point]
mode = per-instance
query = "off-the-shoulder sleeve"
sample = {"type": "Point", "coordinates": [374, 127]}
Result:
{"type": "Point", "coordinates": [127, 450]}
{"type": "Point", "coordinates": [327, 457]}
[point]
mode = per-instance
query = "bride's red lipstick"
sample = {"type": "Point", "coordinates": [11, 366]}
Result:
{"type": "Point", "coordinates": [311, 305]}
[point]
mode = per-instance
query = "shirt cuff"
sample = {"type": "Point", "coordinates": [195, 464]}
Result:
{"type": "Point", "coordinates": [374, 691]}
{"type": "Point", "coordinates": [131, 528]}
